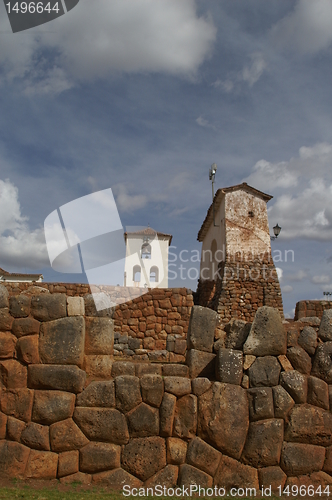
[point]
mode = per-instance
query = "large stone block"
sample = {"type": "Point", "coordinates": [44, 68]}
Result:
{"type": "Point", "coordinates": [267, 335]}
{"type": "Point", "coordinates": [68, 463]}
{"type": "Point", "coordinates": [103, 302]}
{"type": "Point", "coordinates": [299, 359]}
{"type": "Point", "coordinates": [141, 369]}
{"type": "Point", "coordinates": [325, 327]}
{"type": "Point", "coordinates": [57, 377]}
{"type": "Point", "coordinates": [62, 341]}
{"type": "Point", "coordinates": [202, 325]}
{"type": "Point", "coordinates": [318, 393]}
{"type": "Point", "coordinates": [66, 436]}
{"type": "Point", "coordinates": [13, 374]}
{"type": "Point", "coordinates": [13, 459]}
{"type": "Point", "coordinates": [328, 460]}
{"type": "Point", "coordinates": [123, 368]}
{"type": "Point", "coordinates": [42, 465]}
{"type": "Point", "coordinates": [166, 477]}
{"type": "Point", "coordinates": [3, 425]}
{"type": "Point", "coordinates": [203, 456]}
{"type": "Point", "coordinates": [264, 441]}
{"type": "Point", "coordinates": [75, 306]}
{"type": "Point", "coordinates": [283, 402]}
{"type": "Point", "coordinates": [322, 364]}
{"type": "Point", "coordinates": [175, 370]}
{"type": "Point", "coordinates": [17, 403]}
{"type": "Point", "coordinates": [98, 365]}
{"type": "Point", "coordinates": [97, 457]}
{"type": "Point", "coordinates": [308, 340]}
{"type": "Point", "coordinates": [201, 364]}
{"type": "Point", "coordinates": [99, 338]}
{"type": "Point", "coordinates": [190, 476]}
{"type": "Point", "coordinates": [229, 366]}
{"type": "Point", "coordinates": [25, 326]}
{"type": "Point", "coordinates": [7, 345]}
{"type": "Point", "coordinates": [233, 474]}
{"type": "Point", "coordinates": [272, 477]}
{"type": "Point", "coordinates": [100, 394]}
{"type": "Point", "coordinates": [47, 307]}
{"type": "Point", "coordinates": [19, 306]}
{"type": "Point", "coordinates": [77, 478]}
{"type": "Point", "coordinates": [116, 479]}
{"type": "Point", "coordinates": [236, 333]}
{"type": "Point", "coordinates": [167, 413]}
{"type": "Point", "coordinates": [298, 458]}
{"type": "Point", "coordinates": [15, 428]}
{"type": "Point", "coordinates": [223, 418]}
{"type": "Point", "coordinates": [309, 424]}
{"type": "Point", "coordinates": [28, 349]}
{"type": "Point", "coordinates": [36, 436]}
{"type": "Point", "coordinates": [152, 389]}
{"type": "Point", "coordinates": [6, 320]}
{"type": "Point", "coordinates": [143, 457]}
{"type": "Point", "coordinates": [185, 418]}
{"type": "Point", "coordinates": [127, 393]}
{"type": "Point", "coordinates": [143, 421]}
{"type": "Point", "coordinates": [264, 372]}
{"type": "Point", "coordinates": [295, 384]}
{"type": "Point", "coordinates": [179, 386]}
{"type": "Point", "coordinates": [4, 297]}
{"type": "Point", "coordinates": [102, 424]}
{"type": "Point", "coordinates": [52, 406]}
{"type": "Point", "coordinates": [200, 385]}
{"type": "Point", "coordinates": [260, 403]}
{"type": "Point", "coordinates": [176, 451]}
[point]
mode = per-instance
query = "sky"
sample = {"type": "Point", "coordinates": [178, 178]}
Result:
{"type": "Point", "coordinates": [142, 96]}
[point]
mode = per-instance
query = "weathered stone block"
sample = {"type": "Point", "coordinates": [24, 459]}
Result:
{"type": "Point", "coordinates": [19, 306]}
{"type": "Point", "coordinates": [322, 364]}
{"type": "Point", "coordinates": [13, 459]}
{"type": "Point", "coordinates": [176, 451]}
{"type": "Point", "coordinates": [62, 341]}
{"type": "Point", "coordinates": [28, 349]}
{"type": "Point", "coordinates": [283, 402]}
{"type": "Point", "coordinates": [202, 325]}
{"type": "Point", "coordinates": [318, 393]}
{"type": "Point", "coordinates": [97, 457]}
{"type": "Point", "coordinates": [7, 345]}
{"type": "Point", "coordinates": [300, 359]}
{"type": "Point", "coordinates": [75, 306]}
{"type": "Point", "coordinates": [167, 413]}
{"type": "Point", "coordinates": [166, 477]}
{"type": "Point", "coordinates": [308, 340]}
{"type": "Point", "coordinates": [325, 327]}
{"type": "Point", "coordinates": [229, 366]}
{"type": "Point", "coordinates": [328, 460]}
{"type": "Point", "coordinates": [48, 307]}
{"type": "Point", "coordinates": [143, 457]}
{"type": "Point", "coordinates": [200, 385]}
{"type": "Point", "coordinates": [298, 458]}
{"type": "Point", "coordinates": [6, 320]}
{"type": "Point", "coordinates": [309, 424]}
{"type": "Point", "coordinates": [175, 370]}
{"type": "Point", "coordinates": [98, 365]}
{"type": "Point", "coordinates": [102, 424]}
{"type": "Point", "coordinates": [3, 423]}
{"type": "Point", "coordinates": [36, 436]}
{"type": "Point", "coordinates": [260, 403]}
{"type": "Point", "coordinates": [264, 441]}
{"type": "Point", "coordinates": [42, 465]}
{"type": "Point", "coordinates": [25, 326]}
{"type": "Point", "coordinates": [203, 456]}
{"type": "Point", "coordinates": [52, 406]}
{"type": "Point", "coordinates": [15, 428]}
{"type": "Point", "coordinates": [13, 374]}
{"type": "Point", "coordinates": [99, 337]}
{"type": "Point", "coordinates": [189, 475]}
{"type": "Point", "coordinates": [116, 479]}
{"type": "Point", "coordinates": [152, 389]}
{"type": "Point", "coordinates": [264, 372]}
{"type": "Point", "coordinates": [185, 419]}
{"type": "Point", "coordinates": [78, 478]}
{"type": "Point", "coordinates": [4, 297]}
{"type": "Point", "coordinates": [100, 394]}
{"type": "Point", "coordinates": [142, 369]}
{"type": "Point", "coordinates": [236, 333]}
{"type": "Point", "coordinates": [316, 479]}
{"type": "Point", "coordinates": [143, 421]}
{"type": "Point", "coordinates": [127, 393]}
{"type": "Point", "coordinates": [66, 436]}
{"type": "Point", "coordinates": [103, 302]}
{"type": "Point", "coordinates": [57, 377]}
{"type": "Point", "coordinates": [233, 474]}
{"type": "Point", "coordinates": [201, 364]}
{"type": "Point", "coordinates": [223, 418]}
{"type": "Point", "coordinates": [285, 363]}
{"type": "Point", "coordinates": [17, 403]}
{"type": "Point", "coordinates": [272, 476]}
{"type": "Point", "coordinates": [68, 463]}
{"type": "Point", "coordinates": [295, 384]}
{"type": "Point", "coordinates": [123, 368]}
{"type": "Point", "coordinates": [179, 386]}
{"type": "Point", "coordinates": [267, 335]}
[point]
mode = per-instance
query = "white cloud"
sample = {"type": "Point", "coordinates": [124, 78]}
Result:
{"type": "Point", "coordinates": [128, 202]}
{"type": "Point", "coordinates": [307, 29]}
{"type": "Point", "coordinates": [102, 38]}
{"type": "Point", "coordinates": [280, 272]}
{"type": "Point", "coordinates": [286, 289]}
{"type": "Point", "coordinates": [205, 123]}
{"type": "Point", "coordinates": [20, 247]}
{"type": "Point", "coordinates": [298, 276]}
{"type": "Point", "coordinates": [320, 280]}
{"type": "Point", "coordinates": [251, 74]}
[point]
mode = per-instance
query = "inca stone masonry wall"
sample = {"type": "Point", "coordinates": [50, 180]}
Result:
{"type": "Point", "coordinates": [248, 409]}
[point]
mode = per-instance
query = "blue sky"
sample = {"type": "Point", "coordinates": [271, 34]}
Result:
{"type": "Point", "coordinates": [141, 96]}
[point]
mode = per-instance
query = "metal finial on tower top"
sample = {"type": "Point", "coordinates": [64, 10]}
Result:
{"type": "Point", "coordinates": [212, 174]}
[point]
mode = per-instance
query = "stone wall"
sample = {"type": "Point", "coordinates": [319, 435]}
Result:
{"type": "Point", "coordinates": [308, 308]}
{"type": "Point", "coordinates": [247, 409]}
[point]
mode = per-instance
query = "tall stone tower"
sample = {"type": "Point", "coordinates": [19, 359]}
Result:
{"type": "Point", "coordinates": [237, 273]}
{"type": "Point", "coordinates": [146, 263]}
